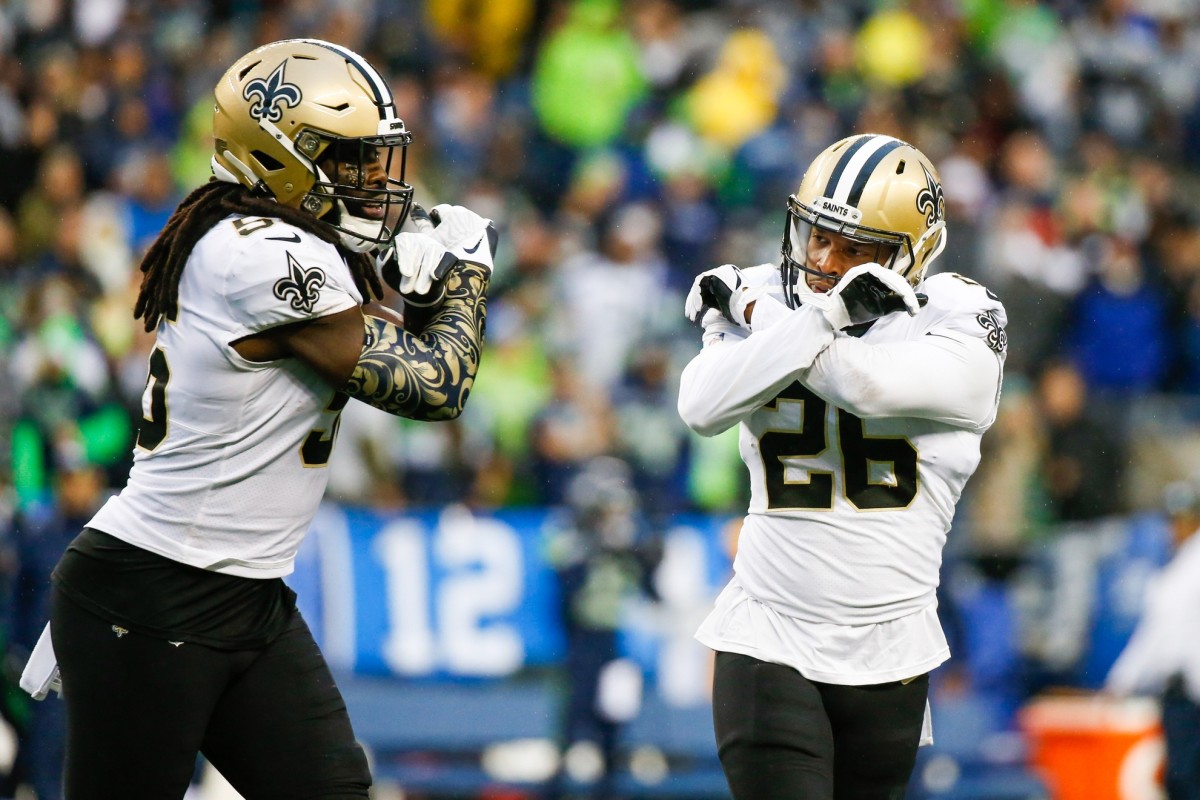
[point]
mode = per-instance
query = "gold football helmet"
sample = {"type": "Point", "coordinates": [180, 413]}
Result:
{"type": "Point", "coordinates": [313, 125]}
{"type": "Point", "coordinates": [881, 194]}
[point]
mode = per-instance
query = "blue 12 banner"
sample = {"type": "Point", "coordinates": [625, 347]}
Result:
{"type": "Point", "coordinates": [451, 594]}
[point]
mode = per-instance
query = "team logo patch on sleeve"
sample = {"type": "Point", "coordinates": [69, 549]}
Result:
{"type": "Point", "coordinates": [997, 338]}
{"type": "Point", "coordinates": [302, 287]}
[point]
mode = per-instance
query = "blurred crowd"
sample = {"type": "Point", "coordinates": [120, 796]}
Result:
{"type": "Point", "coordinates": [622, 148]}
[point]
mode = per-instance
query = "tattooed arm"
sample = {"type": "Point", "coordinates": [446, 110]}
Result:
{"type": "Point", "coordinates": [423, 375]}
{"type": "Point", "coordinates": [426, 376]}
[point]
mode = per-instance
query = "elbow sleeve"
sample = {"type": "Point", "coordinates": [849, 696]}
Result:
{"type": "Point", "coordinates": [426, 377]}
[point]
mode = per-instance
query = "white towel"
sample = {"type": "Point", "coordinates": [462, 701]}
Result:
{"type": "Point", "coordinates": [40, 676]}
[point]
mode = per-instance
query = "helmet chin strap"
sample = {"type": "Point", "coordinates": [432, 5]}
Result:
{"type": "Point", "coordinates": [934, 230]}
{"type": "Point", "coordinates": [360, 235]}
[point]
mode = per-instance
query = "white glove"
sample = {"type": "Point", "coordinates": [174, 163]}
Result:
{"type": "Point", "coordinates": [415, 266]}
{"type": "Point", "coordinates": [460, 230]}
{"type": "Point", "coordinates": [723, 289]}
{"type": "Point", "coordinates": [865, 293]}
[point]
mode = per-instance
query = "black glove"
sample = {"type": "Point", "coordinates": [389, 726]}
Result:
{"type": "Point", "coordinates": [721, 288]}
{"type": "Point", "coordinates": [866, 293]}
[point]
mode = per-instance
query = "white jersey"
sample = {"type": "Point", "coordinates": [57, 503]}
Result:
{"type": "Point", "coordinates": [230, 460]}
{"type": "Point", "coordinates": [858, 450]}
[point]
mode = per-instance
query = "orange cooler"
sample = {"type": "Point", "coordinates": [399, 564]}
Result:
{"type": "Point", "coordinates": [1095, 747]}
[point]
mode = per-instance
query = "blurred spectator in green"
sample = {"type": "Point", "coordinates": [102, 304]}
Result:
{"type": "Point", "coordinates": [587, 77]}
{"type": "Point", "coordinates": [64, 384]}
{"type": "Point", "coordinates": [513, 383]}
{"type": "Point", "coordinates": [715, 481]}
{"type": "Point", "coordinates": [584, 83]}
{"type": "Point", "coordinates": [191, 153]}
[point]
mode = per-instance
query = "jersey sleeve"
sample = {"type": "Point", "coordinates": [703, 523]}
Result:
{"type": "Point", "coordinates": [280, 275]}
{"type": "Point", "coordinates": [948, 368]}
{"type": "Point", "coordinates": [732, 376]}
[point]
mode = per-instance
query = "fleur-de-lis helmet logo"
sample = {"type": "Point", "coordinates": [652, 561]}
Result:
{"type": "Point", "coordinates": [302, 287]}
{"type": "Point", "coordinates": [930, 200]}
{"type": "Point", "coordinates": [269, 96]}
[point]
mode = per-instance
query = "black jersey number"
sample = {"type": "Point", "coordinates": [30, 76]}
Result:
{"type": "Point", "coordinates": [248, 225]}
{"type": "Point", "coordinates": [153, 429]}
{"type": "Point", "coordinates": [806, 442]}
{"type": "Point", "coordinates": [865, 488]}
{"type": "Point", "coordinates": [318, 445]}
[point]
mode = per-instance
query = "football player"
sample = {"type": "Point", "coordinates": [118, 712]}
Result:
{"type": "Point", "coordinates": [861, 388]}
{"type": "Point", "coordinates": [173, 630]}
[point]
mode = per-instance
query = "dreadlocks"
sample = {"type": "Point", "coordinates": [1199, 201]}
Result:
{"type": "Point", "coordinates": [163, 263]}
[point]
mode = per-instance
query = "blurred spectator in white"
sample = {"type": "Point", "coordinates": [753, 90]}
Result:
{"type": "Point", "coordinates": [1116, 49]}
{"type": "Point", "coordinates": [609, 300]}
{"type": "Point", "coordinates": [969, 198]}
{"type": "Point", "coordinates": [1163, 656]}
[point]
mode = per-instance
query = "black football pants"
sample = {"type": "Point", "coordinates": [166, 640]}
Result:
{"type": "Point", "coordinates": [140, 708]}
{"type": "Point", "coordinates": [781, 736]}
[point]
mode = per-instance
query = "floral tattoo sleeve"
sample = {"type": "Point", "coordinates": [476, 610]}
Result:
{"type": "Point", "coordinates": [426, 376]}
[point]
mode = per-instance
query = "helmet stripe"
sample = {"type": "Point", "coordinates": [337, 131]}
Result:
{"type": "Point", "coordinates": [383, 95]}
{"type": "Point", "coordinates": [853, 169]}
{"type": "Point", "coordinates": [836, 175]}
{"type": "Point", "coordinates": [860, 183]}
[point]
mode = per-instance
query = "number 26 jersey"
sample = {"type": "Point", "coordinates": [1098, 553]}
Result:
{"type": "Point", "coordinates": [856, 463]}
